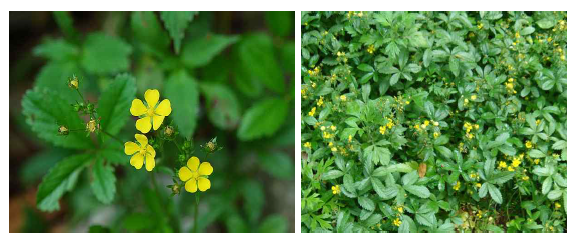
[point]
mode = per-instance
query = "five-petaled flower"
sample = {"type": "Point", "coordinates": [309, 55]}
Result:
{"type": "Point", "coordinates": [142, 153]}
{"type": "Point", "coordinates": [152, 115]}
{"type": "Point", "coordinates": [195, 175]}
{"type": "Point", "coordinates": [336, 189]}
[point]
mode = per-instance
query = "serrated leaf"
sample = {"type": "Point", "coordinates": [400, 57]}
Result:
{"type": "Point", "coordinates": [366, 203]}
{"type": "Point", "coordinates": [176, 22]}
{"type": "Point", "coordinates": [257, 55]}
{"type": "Point", "coordinates": [495, 194]}
{"type": "Point", "coordinates": [44, 118]}
{"type": "Point", "coordinates": [199, 52]}
{"type": "Point", "coordinates": [277, 164]}
{"type": "Point", "coordinates": [104, 54]}
{"type": "Point", "coordinates": [61, 178]}
{"type": "Point", "coordinates": [149, 32]}
{"type": "Point", "coordinates": [222, 105]}
{"type": "Point", "coordinates": [535, 153]}
{"type": "Point", "coordinates": [114, 104]}
{"type": "Point", "coordinates": [263, 119]}
{"type": "Point", "coordinates": [183, 92]}
{"type": "Point", "coordinates": [57, 50]}
{"type": "Point", "coordinates": [381, 190]}
{"type": "Point", "coordinates": [332, 174]}
{"type": "Point", "coordinates": [420, 191]}
{"type": "Point", "coordinates": [104, 182]}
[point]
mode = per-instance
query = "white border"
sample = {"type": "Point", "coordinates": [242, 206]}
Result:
{"type": "Point", "coordinates": [298, 5]}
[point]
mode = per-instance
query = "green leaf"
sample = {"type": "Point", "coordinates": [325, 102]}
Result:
{"type": "Point", "coordinates": [104, 182]}
{"type": "Point", "coordinates": [419, 40]}
{"type": "Point", "coordinates": [112, 151]}
{"type": "Point", "coordinates": [554, 195]}
{"type": "Point", "coordinates": [383, 192]}
{"type": "Point", "coordinates": [182, 91]}
{"type": "Point", "coordinates": [420, 191]}
{"type": "Point", "coordinates": [176, 22]}
{"type": "Point", "coordinates": [103, 54]}
{"type": "Point", "coordinates": [65, 23]}
{"type": "Point", "coordinates": [332, 174]}
{"type": "Point", "coordinates": [366, 203]}
{"type": "Point", "coordinates": [263, 119]}
{"type": "Point", "coordinates": [149, 33]}
{"type": "Point", "coordinates": [444, 151]}
{"type": "Point", "coordinates": [57, 50]}
{"type": "Point", "coordinates": [365, 67]}
{"type": "Point", "coordinates": [222, 105]}
{"type": "Point", "coordinates": [546, 186]}
{"type": "Point", "coordinates": [61, 178]}
{"type": "Point", "coordinates": [484, 189]}
{"type": "Point", "coordinates": [277, 164]}
{"type": "Point", "coordinates": [502, 177]}
{"type": "Point", "coordinates": [54, 76]}
{"type": "Point", "coordinates": [546, 23]}
{"type": "Point", "coordinates": [114, 103]}
{"type": "Point", "coordinates": [199, 52]}
{"type": "Point", "coordinates": [44, 118]}
{"type": "Point", "coordinates": [535, 153]}
{"type": "Point", "coordinates": [495, 194]}
{"type": "Point", "coordinates": [273, 224]}
{"type": "Point", "coordinates": [257, 55]}
{"type": "Point", "coordinates": [527, 30]}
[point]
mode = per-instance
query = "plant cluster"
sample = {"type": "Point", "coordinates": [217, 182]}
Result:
{"type": "Point", "coordinates": [434, 121]}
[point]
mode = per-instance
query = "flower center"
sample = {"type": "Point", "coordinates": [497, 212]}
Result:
{"type": "Point", "coordinates": [150, 112]}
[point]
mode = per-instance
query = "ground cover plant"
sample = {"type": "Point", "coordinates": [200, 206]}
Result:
{"type": "Point", "coordinates": [154, 122]}
{"type": "Point", "coordinates": [434, 122]}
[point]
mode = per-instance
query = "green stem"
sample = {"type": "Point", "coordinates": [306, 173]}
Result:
{"type": "Point", "coordinates": [196, 211]}
{"type": "Point", "coordinates": [112, 136]}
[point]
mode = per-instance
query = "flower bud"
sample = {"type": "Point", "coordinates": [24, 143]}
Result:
{"type": "Point", "coordinates": [91, 126]}
{"type": "Point", "coordinates": [73, 82]}
{"type": "Point", "coordinates": [169, 131]}
{"type": "Point", "coordinates": [63, 130]}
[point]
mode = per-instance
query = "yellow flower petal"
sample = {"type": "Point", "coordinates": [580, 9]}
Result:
{"type": "Point", "coordinates": [151, 151]}
{"type": "Point", "coordinates": [130, 148]}
{"type": "Point", "coordinates": [151, 96]}
{"type": "Point", "coordinates": [157, 120]}
{"type": "Point", "coordinates": [205, 169]}
{"type": "Point", "coordinates": [163, 108]}
{"type": "Point", "coordinates": [138, 108]}
{"type": "Point", "coordinates": [185, 174]}
{"type": "Point", "coordinates": [204, 183]}
{"type": "Point", "coordinates": [150, 163]}
{"type": "Point", "coordinates": [193, 164]}
{"type": "Point", "coordinates": [137, 161]}
{"type": "Point", "coordinates": [143, 125]}
{"type": "Point", "coordinates": [191, 186]}
{"type": "Point", "coordinates": [142, 139]}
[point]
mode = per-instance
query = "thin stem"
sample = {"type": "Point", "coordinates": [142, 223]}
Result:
{"type": "Point", "coordinates": [112, 136]}
{"type": "Point", "coordinates": [196, 211]}
{"type": "Point", "coordinates": [81, 95]}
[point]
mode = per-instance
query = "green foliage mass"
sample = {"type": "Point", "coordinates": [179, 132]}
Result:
{"type": "Point", "coordinates": [434, 121]}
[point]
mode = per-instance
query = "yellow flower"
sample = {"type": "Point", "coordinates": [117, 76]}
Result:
{"type": "Point", "coordinates": [400, 209]}
{"type": "Point", "coordinates": [516, 162]}
{"type": "Point", "coordinates": [426, 122]}
{"type": "Point", "coordinates": [517, 35]}
{"type": "Point", "coordinates": [343, 98]}
{"type": "Point", "coordinates": [478, 185]}
{"type": "Point", "coordinates": [334, 149]}
{"type": "Point", "coordinates": [142, 153]}
{"type": "Point", "coordinates": [510, 168]}
{"type": "Point", "coordinates": [371, 49]}
{"type": "Point", "coordinates": [336, 189]}
{"type": "Point", "coordinates": [307, 144]}
{"type": "Point", "coordinates": [536, 161]}
{"type": "Point", "coordinates": [312, 111]}
{"type": "Point", "coordinates": [525, 178]}
{"type": "Point", "coordinates": [436, 134]}
{"type": "Point", "coordinates": [195, 175]}
{"type": "Point", "coordinates": [436, 123]}
{"type": "Point", "coordinates": [333, 128]}
{"type": "Point", "coordinates": [320, 101]}
{"type": "Point", "coordinates": [350, 138]}
{"type": "Point", "coordinates": [480, 26]}
{"type": "Point", "coordinates": [152, 115]}
{"type": "Point", "coordinates": [476, 126]}
{"type": "Point", "coordinates": [502, 165]}
{"type": "Point", "coordinates": [382, 129]}
{"type": "Point", "coordinates": [528, 144]}
{"type": "Point", "coordinates": [457, 186]}
{"type": "Point", "coordinates": [397, 222]}
{"type": "Point", "coordinates": [323, 128]}
{"type": "Point", "coordinates": [558, 205]}
{"type": "Point", "coordinates": [473, 97]}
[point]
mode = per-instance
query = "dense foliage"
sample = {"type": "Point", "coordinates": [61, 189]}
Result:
{"type": "Point", "coordinates": [235, 86]}
{"type": "Point", "coordinates": [434, 121]}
